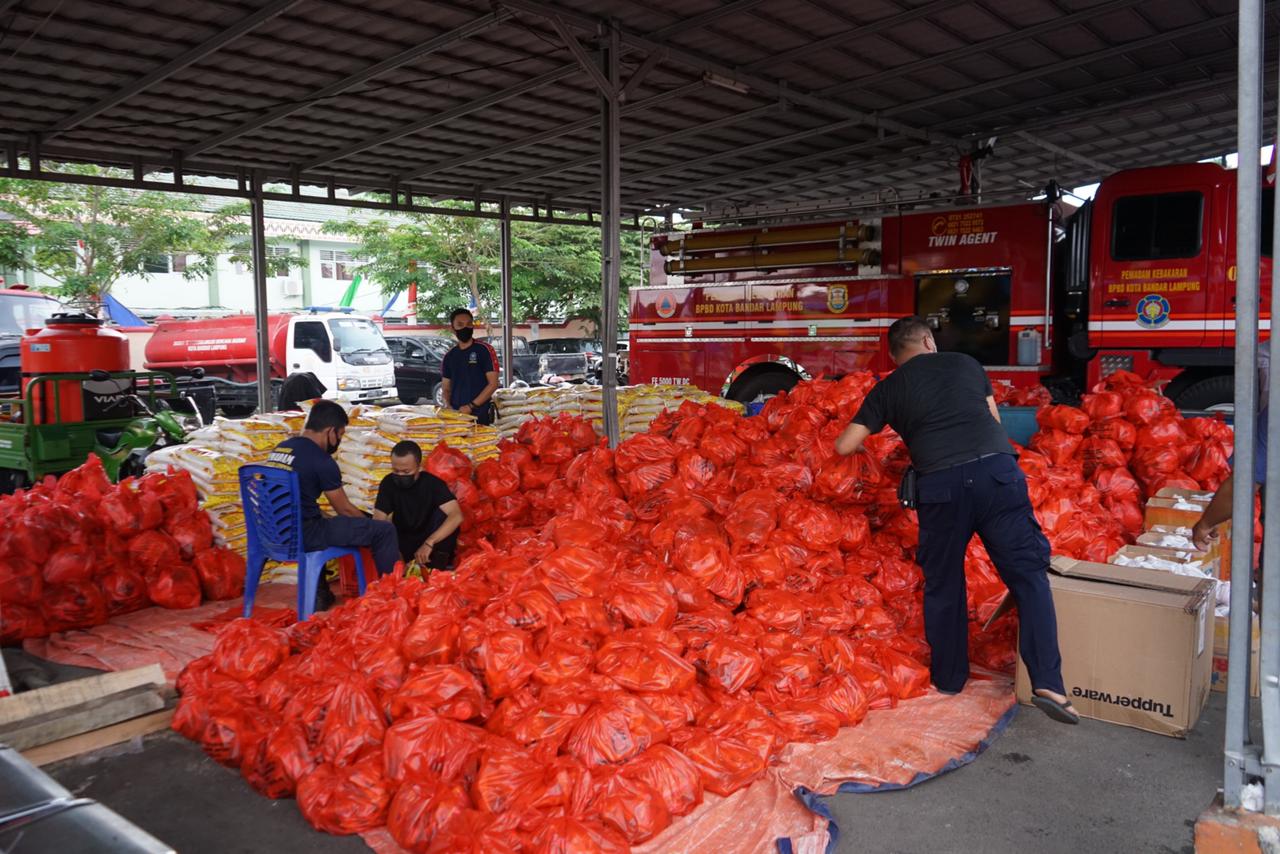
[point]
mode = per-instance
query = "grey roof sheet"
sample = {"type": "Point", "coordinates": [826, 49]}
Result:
{"type": "Point", "coordinates": [473, 99]}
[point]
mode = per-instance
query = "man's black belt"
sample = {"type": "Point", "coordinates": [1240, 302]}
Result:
{"type": "Point", "coordinates": [966, 462]}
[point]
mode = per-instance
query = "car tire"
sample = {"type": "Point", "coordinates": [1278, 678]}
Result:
{"type": "Point", "coordinates": [409, 399]}
{"type": "Point", "coordinates": [766, 383]}
{"type": "Point", "coordinates": [238, 411]}
{"type": "Point", "coordinates": [1211, 393]}
{"type": "Point", "coordinates": [437, 394]}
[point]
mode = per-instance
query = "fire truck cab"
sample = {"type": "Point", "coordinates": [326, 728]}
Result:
{"type": "Point", "coordinates": [1140, 278]}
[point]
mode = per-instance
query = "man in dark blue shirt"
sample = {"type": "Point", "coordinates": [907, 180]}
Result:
{"type": "Point", "coordinates": [311, 456]}
{"type": "Point", "coordinates": [469, 374]}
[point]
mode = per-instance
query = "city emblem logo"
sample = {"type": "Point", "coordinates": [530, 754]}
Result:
{"type": "Point", "coordinates": [666, 306]}
{"type": "Point", "coordinates": [837, 298]}
{"type": "Point", "coordinates": [1153, 311]}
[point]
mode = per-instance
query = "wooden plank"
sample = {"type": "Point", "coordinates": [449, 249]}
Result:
{"type": "Point", "coordinates": [41, 701]}
{"type": "Point", "coordinates": [83, 717]}
{"type": "Point", "coordinates": [47, 754]}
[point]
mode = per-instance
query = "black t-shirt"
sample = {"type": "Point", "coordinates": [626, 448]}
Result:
{"type": "Point", "coordinates": [937, 403]}
{"type": "Point", "coordinates": [465, 370]}
{"type": "Point", "coordinates": [317, 474]}
{"type": "Point", "coordinates": [416, 513]}
{"type": "Point", "coordinates": [297, 388]}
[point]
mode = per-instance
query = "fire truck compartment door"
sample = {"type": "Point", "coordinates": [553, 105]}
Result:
{"type": "Point", "coordinates": [968, 312]}
{"type": "Point", "coordinates": [667, 365]}
{"type": "Point", "coordinates": [1154, 285]}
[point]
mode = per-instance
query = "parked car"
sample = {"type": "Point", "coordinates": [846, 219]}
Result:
{"type": "Point", "coordinates": [535, 368]}
{"type": "Point", "coordinates": [417, 361]}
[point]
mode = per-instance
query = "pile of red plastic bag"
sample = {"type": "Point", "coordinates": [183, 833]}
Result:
{"type": "Point", "coordinates": [629, 629]}
{"type": "Point", "coordinates": [78, 550]}
{"type": "Point", "coordinates": [1090, 470]}
{"type": "Point", "coordinates": [1006, 394]}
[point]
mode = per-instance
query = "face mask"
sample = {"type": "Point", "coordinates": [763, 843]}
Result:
{"type": "Point", "coordinates": [333, 449]}
{"type": "Point", "coordinates": [464, 334]}
{"type": "Point", "coordinates": [404, 481]}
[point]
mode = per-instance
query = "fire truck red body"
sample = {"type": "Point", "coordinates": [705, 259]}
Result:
{"type": "Point", "coordinates": [1141, 278]}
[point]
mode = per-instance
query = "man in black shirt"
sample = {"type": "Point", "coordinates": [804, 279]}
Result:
{"type": "Point", "coordinates": [942, 406]}
{"type": "Point", "coordinates": [423, 510]}
{"type": "Point", "coordinates": [468, 372]}
{"type": "Point", "coordinates": [311, 456]}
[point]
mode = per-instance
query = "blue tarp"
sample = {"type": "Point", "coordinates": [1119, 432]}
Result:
{"type": "Point", "coordinates": [120, 315]}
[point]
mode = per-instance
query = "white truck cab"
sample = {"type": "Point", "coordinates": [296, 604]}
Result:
{"type": "Point", "coordinates": [346, 352]}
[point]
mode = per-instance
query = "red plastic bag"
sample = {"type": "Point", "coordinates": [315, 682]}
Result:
{"type": "Point", "coordinates": [496, 480]}
{"type": "Point", "coordinates": [630, 805]}
{"type": "Point", "coordinates": [345, 800]}
{"type": "Point", "coordinates": [20, 582]}
{"type": "Point", "coordinates": [70, 565]}
{"type": "Point", "coordinates": [192, 532]}
{"type": "Point", "coordinates": [420, 810]}
{"type": "Point", "coordinates": [126, 591]}
{"type": "Point", "coordinates": [1067, 419]}
{"type": "Point", "coordinates": [448, 464]}
{"type": "Point", "coordinates": [18, 622]}
{"type": "Point", "coordinates": [1059, 446]}
{"type": "Point", "coordinates": [176, 586]}
{"type": "Point", "coordinates": [447, 690]}
{"type": "Point", "coordinates": [353, 725]}
{"type": "Point", "coordinates": [644, 667]}
{"type": "Point", "coordinates": [671, 774]}
{"type": "Point", "coordinates": [429, 748]}
{"type": "Point", "coordinates": [1145, 406]}
{"type": "Point", "coordinates": [1102, 405]}
{"type": "Point", "coordinates": [120, 511]}
{"type": "Point", "coordinates": [153, 550]}
{"type": "Point", "coordinates": [1117, 430]}
{"type": "Point", "coordinates": [1162, 430]}
{"type": "Point", "coordinates": [619, 727]}
{"type": "Point", "coordinates": [249, 651]}
{"type": "Point", "coordinates": [733, 663]}
{"type": "Point", "coordinates": [221, 572]}
{"type": "Point", "coordinates": [725, 764]}
{"type": "Point", "coordinates": [73, 606]}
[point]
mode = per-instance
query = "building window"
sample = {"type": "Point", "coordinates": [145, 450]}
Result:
{"type": "Point", "coordinates": [156, 264]}
{"type": "Point", "coordinates": [179, 263]}
{"type": "Point", "coordinates": [336, 265]}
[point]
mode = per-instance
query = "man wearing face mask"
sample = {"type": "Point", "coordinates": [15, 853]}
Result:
{"type": "Point", "coordinates": [425, 513]}
{"type": "Point", "coordinates": [469, 374]}
{"type": "Point", "coordinates": [311, 456]}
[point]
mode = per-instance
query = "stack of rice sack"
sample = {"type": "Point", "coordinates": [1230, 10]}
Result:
{"type": "Point", "coordinates": [639, 405]}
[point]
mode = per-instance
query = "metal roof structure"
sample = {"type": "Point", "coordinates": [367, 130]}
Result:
{"type": "Point", "coordinates": [726, 102]}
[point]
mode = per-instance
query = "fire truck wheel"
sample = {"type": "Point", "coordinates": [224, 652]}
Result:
{"type": "Point", "coordinates": [1217, 392]}
{"type": "Point", "coordinates": [765, 382]}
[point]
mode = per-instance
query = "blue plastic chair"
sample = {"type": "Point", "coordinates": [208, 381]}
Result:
{"type": "Point", "coordinates": [273, 518]}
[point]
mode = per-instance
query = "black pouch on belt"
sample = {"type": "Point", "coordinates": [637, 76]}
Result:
{"type": "Point", "coordinates": [907, 489]}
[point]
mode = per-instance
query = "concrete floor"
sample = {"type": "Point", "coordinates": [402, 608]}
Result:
{"type": "Point", "coordinates": [1041, 787]}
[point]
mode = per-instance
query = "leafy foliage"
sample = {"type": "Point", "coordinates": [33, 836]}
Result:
{"type": "Point", "coordinates": [87, 237]}
{"type": "Point", "coordinates": [555, 269]}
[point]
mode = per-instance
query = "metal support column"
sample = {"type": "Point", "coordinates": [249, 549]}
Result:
{"type": "Point", "coordinates": [1269, 620]}
{"type": "Point", "coordinates": [261, 310]}
{"type": "Point", "coordinates": [610, 246]}
{"type": "Point", "coordinates": [1239, 750]}
{"type": "Point", "coordinates": [507, 343]}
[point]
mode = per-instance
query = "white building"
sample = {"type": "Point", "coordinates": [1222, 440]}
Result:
{"type": "Point", "coordinates": [292, 228]}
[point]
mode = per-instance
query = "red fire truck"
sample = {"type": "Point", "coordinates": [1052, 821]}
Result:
{"type": "Point", "coordinates": [1141, 278]}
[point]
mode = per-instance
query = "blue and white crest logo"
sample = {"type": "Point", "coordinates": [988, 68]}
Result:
{"type": "Point", "coordinates": [837, 298]}
{"type": "Point", "coordinates": [666, 306]}
{"type": "Point", "coordinates": [1153, 311]}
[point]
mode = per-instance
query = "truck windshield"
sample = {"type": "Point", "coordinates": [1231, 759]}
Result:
{"type": "Point", "coordinates": [352, 334]}
{"type": "Point", "coordinates": [18, 314]}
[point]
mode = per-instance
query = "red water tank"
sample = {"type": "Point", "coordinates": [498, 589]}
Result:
{"type": "Point", "coordinates": [69, 343]}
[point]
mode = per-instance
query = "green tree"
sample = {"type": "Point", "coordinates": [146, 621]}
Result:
{"type": "Point", "coordinates": [86, 237]}
{"type": "Point", "coordinates": [555, 267]}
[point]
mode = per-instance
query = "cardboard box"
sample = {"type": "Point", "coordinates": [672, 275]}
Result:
{"type": "Point", "coordinates": [1220, 649]}
{"type": "Point", "coordinates": [1173, 512]}
{"type": "Point", "coordinates": [1137, 644]}
{"type": "Point", "coordinates": [1219, 551]}
{"type": "Point", "coordinates": [1180, 556]}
